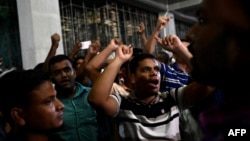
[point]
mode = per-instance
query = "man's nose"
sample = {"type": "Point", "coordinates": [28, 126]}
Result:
{"type": "Point", "coordinates": [63, 73]}
{"type": "Point", "coordinates": [59, 104]}
{"type": "Point", "coordinates": [154, 72]}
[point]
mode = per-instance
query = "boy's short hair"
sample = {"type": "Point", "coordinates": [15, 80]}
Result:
{"type": "Point", "coordinates": [58, 58]}
{"type": "Point", "coordinates": [74, 62]}
{"type": "Point", "coordinates": [134, 62]}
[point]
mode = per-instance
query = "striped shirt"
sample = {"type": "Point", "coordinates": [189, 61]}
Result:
{"type": "Point", "coordinates": [172, 77]}
{"type": "Point", "coordinates": [158, 120]}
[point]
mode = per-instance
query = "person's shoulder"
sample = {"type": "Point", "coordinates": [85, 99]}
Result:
{"type": "Point", "coordinates": [81, 85]}
{"type": "Point", "coordinates": [165, 67]}
{"type": "Point", "coordinates": [82, 88]}
{"type": "Point", "coordinates": [6, 71]}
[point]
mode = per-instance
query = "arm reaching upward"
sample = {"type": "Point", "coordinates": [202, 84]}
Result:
{"type": "Point", "coordinates": [173, 44]}
{"type": "Point", "coordinates": [81, 71]}
{"type": "Point", "coordinates": [95, 65]}
{"type": "Point", "coordinates": [55, 39]}
{"type": "Point", "coordinates": [76, 48]}
{"type": "Point", "coordinates": [161, 24]}
{"type": "Point", "coordinates": [100, 93]}
{"type": "Point", "coordinates": [141, 31]}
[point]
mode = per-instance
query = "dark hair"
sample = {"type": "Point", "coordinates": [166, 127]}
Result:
{"type": "Point", "coordinates": [74, 63]}
{"type": "Point", "coordinates": [163, 57]}
{"type": "Point", "coordinates": [133, 64]}
{"type": "Point", "coordinates": [137, 51]}
{"type": "Point", "coordinates": [58, 58]}
{"type": "Point", "coordinates": [39, 66]}
{"type": "Point", "coordinates": [16, 87]}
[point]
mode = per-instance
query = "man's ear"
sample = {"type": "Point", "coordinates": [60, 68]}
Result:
{"type": "Point", "coordinates": [17, 115]}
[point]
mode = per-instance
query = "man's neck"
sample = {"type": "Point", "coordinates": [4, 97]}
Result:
{"type": "Point", "coordinates": [146, 98]}
{"type": "Point", "coordinates": [67, 93]}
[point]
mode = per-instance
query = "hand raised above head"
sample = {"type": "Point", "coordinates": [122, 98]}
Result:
{"type": "Point", "coordinates": [124, 52]}
{"type": "Point", "coordinates": [96, 43]}
{"type": "Point", "coordinates": [94, 47]}
{"type": "Point", "coordinates": [141, 28]}
{"type": "Point", "coordinates": [162, 22]}
{"type": "Point", "coordinates": [114, 43]}
{"type": "Point", "coordinates": [77, 46]}
{"type": "Point", "coordinates": [170, 42]}
{"type": "Point", "coordinates": [55, 38]}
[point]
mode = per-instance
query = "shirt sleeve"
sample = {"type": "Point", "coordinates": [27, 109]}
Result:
{"type": "Point", "coordinates": [118, 99]}
{"type": "Point", "coordinates": [177, 94]}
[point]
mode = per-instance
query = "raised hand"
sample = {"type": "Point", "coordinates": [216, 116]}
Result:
{"type": "Point", "coordinates": [141, 28]}
{"type": "Point", "coordinates": [162, 22]}
{"type": "Point", "coordinates": [124, 52]}
{"type": "Point", "coordinates": [55, 38]}
{"type": "Point", "coordinates": [170, 43]}
{"type": "Point", "coordinates": [94, 47]}
{"type": "Point", "coordinates": [114, 43]}
{"type": "Point", "coordinates": [77, 46]}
